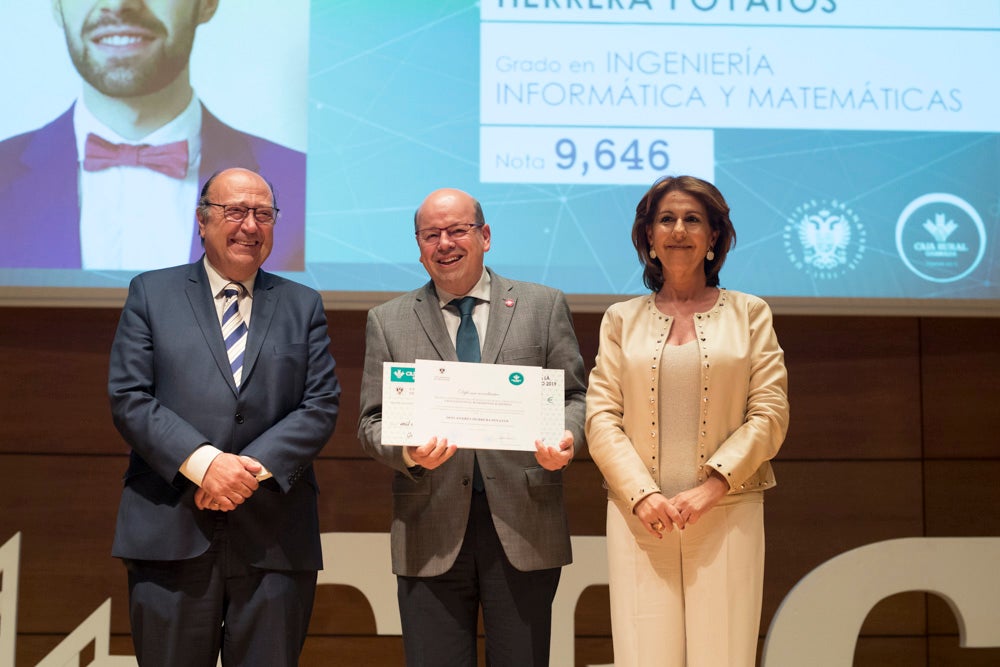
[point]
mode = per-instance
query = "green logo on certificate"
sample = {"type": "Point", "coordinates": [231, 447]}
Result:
{"type": "Point", "coordinates": [401, 374]}
{"type": "Point", "coordinates": [516, 379]}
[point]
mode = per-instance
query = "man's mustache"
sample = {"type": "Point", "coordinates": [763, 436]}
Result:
{"type": "Point", "coordinates": [126, 18]}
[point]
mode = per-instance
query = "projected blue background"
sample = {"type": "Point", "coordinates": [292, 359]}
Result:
{"type": "Point", "coordinates": [394, 111]}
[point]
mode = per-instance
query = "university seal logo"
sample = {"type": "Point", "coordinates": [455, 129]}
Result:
{"type": "Point", "coordinates": [824, 238]}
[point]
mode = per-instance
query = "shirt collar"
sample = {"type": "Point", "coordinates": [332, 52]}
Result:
{"type": "Point", "coordinates": [218, 282]}
{"type": "Point", "coordinates": [481, 290]}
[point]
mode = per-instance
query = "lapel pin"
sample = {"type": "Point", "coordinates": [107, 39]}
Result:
{"type": "Point", "coordinates": [509, 303]}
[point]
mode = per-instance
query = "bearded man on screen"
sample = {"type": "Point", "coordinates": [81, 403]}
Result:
{"type": "Point", "coordinates": [110, 184]}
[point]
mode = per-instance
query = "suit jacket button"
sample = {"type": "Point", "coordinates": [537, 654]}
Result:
{"type": "Point", "coordinates": [239, 418]}
{"type": "Point", "coordinates": [465, 481]}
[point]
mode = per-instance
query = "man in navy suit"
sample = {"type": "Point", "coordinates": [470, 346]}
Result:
{"type": "Point", "coordinates": [222, 383]}
{"type": "Point", "coordinates": [109, 184]}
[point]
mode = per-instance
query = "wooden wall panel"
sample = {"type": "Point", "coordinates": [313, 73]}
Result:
{"type": "Point", "coordinates": [593, 651]}
{"type": "Point", "coordinates": [586, 498]}
{"type": "Point", "coordinates": [31, 648]}
{"type": "Point", "coordinates": [890, 652]}
{"type": "Point", "coordinates": [963, 497]}
{"type": "Point", "coordinates": [355, 495]}
{"type": "Point", "coordinates": [904, 614]}
{"type": "Point", "coordinates": [961, 384]}
{"type": "Point", "coordinates": [893, 435]}
{"type": "Point", "coordinates": [588, 330]}
{"type": "Point", "coordinates": [64, 507]}
{"type": "Point", "coordinates": [962, 500]}
{"type": "Point", "coordinates": [821, 509]}
{"type": "Point", "coordinates": [347, 344]}
{"type": "Point", "coordinates": [53, 397]}
{"type": "Point", "coordinates": [853, 387]}
{"type": "Point", "coordinates": [322, 650]}
{"type": "Point", "coordinates": [945, 652]}
{"type": "Point", "coordinates": [593, 613]}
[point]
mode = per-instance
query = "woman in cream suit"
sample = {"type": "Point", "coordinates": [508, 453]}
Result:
{"type": "Point", "coordinates": [686, 406]}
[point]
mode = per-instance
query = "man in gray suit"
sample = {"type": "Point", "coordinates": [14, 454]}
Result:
{"type": "Point", "coordinates": [222, 383]}
{"type": "Point", "coordinates": [473, 527]}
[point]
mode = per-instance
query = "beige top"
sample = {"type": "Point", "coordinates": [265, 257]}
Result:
{"type": "Point", "coordinates": [678, 418]}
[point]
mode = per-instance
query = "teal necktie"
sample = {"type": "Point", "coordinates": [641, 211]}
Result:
{"type": "Point", "coordinates": [467, 340]}
{"type": "Point", "coordinates": [467, 348]}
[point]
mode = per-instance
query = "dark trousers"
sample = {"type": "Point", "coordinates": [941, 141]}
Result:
{"type": "Point", "coordinates": [440, 614]}
{"type": "Point", "coordinates": [184, 612]}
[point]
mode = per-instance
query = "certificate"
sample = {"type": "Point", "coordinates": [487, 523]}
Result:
{"type": "Point", "coordinates": [398, 391]}
{"type": "Point", "coordinates": [483, 406]}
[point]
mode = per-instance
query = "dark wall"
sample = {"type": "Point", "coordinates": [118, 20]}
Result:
{"type": "Point", "coordinates": [894, 424]}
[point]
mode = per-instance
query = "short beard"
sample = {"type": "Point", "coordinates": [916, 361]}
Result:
{"type": "Point", "coordinates": [122, 78]}
{"type": "Point", "coordinates": [128, 76]}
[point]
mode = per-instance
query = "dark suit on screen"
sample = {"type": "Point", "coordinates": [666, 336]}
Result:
{"type": "Point", "coordinates": [528, 324]}
{"type": "Point", "coordinates": [172, 390]}
{"type": "Point", "coordinates": [40, 198]}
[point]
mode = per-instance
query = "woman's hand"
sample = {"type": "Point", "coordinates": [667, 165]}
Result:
{"type": "Point", "coordinates": [693, 503]}
{"type": "Point", "coordinates": [657, 513]}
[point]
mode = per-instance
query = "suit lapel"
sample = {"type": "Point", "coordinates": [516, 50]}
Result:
{"type": "Point", "coordinates": [50, 222]}
{"type": "Point", "coordinates": [202, 302]}
{"type": "Point", "coordinates": [428, 313]}
{"type": "Point", "coordinates": [265, 300]}
{"type": "Point", "coordinates": [501, 292]}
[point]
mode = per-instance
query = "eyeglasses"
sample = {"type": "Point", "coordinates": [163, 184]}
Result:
{"type": "Point", "coordinates": [432, 236]}
{"type": "Point", "coordinates": [263, 215]}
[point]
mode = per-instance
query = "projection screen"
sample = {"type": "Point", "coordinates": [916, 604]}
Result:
{"type": "Point", "coordinates": [856, 141]}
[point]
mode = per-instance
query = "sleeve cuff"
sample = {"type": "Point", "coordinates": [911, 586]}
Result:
{"type": "Point", "coordinates": [407, 459]}
{"type": "Point", "coordinates": [196, 465]}
{"type": "Point", "coordinates": [264, 472]}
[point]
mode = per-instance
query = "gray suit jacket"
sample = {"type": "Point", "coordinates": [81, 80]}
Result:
{"type": "Point", "coordinates": [172, 390]}
{"type": "Point", "coordinates": [431, 507]}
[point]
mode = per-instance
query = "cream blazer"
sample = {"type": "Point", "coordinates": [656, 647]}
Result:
{"type": "Point", "coordinates": [744, 395]}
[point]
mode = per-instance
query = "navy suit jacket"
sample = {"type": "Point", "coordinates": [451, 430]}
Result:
{"type": "Point", "coordinates": [40, 198]}
{"type": "Point", "coordinates": [172, 390]}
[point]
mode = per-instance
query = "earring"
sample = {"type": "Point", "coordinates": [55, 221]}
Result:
{"type": "Point", "coordinates": [710, 255]}
{"type": "Point", "coordinates": [652, 254]}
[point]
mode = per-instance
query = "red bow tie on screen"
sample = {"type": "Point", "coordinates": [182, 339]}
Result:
{"type": "Point", "coordinates": [168, 159]}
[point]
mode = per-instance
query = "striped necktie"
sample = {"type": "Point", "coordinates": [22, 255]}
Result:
{"type": "Point", "coordinates": [234, 330]}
